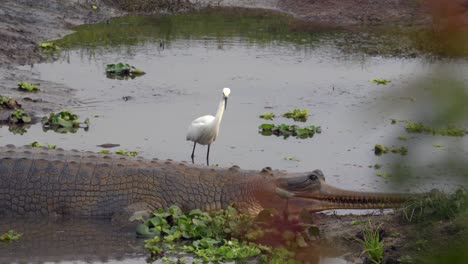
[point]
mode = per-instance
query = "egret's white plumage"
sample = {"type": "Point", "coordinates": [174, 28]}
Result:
{"type": "Point", "coordinates": [205, 129]}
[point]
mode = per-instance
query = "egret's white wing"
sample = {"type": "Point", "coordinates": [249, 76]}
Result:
{"type": "Point", "coordinates": [200, 129]}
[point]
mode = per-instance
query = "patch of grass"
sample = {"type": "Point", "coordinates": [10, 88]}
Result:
{"type": "Point", "coordinates": [9, 236]}
{"type": "Point", "coordinates": [267, 116]}
{"type": "Point", "coordinates": [436, 205]}
{"type": "Point", "coordinates": [380, 81]}
{"type": "Point", "coordinates": [63, 122]}
{"type": "Point", "coordinates": [28, 87]}
{"type": "Point", "coordinates": [372, 244]}
{"type": "Point", "coordinates": [289, 130]}
{"type": "Point", "coordinates": [122, 71]}
{"type": "Point", "coordinates": [297, 114]}
{"type": "Point", "coordinates": [19, 116]}
{"type": "Point", "coordinates": [418, 127]}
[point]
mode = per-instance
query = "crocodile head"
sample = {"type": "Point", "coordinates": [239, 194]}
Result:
{"type": "Point", "coordinates": [309, 192]}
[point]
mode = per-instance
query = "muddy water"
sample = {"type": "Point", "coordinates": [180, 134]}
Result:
{"type": "Point", "coordinates": [270, 66]}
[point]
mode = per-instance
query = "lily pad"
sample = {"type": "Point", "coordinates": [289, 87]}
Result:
{"type": "Point", "coordinates": [297, 114]}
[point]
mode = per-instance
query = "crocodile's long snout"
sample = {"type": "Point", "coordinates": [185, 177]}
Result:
{"type": "Point", "coordinates": [310, 192]}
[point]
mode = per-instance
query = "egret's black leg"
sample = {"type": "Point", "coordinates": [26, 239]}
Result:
{"type": "Point", "coordinates": [193, 151]}
{"type": "Point", "coordinates": [208, 156]}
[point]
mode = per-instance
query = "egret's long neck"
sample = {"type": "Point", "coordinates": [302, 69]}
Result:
{"type": "Point", "coordinates": [220, 112]}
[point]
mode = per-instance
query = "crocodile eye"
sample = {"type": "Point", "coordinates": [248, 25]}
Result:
{"type": "Point", "coordinates": [313, 177]}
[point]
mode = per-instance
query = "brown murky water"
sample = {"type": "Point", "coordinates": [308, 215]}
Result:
{"type": "Point", "coordinates": [269, 69]}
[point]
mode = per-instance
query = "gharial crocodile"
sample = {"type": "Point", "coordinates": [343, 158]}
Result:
{"type": "Point", "coordinates": [40, 181]}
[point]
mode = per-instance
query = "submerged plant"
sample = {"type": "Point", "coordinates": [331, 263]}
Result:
{"type": "Point", "coordinates": [297, 114]}
{"type": "Point", "coordinates": [9, 236]}
{"type": "Point", "coordinates": [122, 71]}
{"type": "Point", "coordinates": [19, 116]}
{"type": "Point", "coordinates": [63, 122]}
{"type": "Point", "coordinates": [28, 87]}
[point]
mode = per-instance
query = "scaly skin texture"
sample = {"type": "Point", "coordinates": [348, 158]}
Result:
{"type": "Point", "coordinates": [43, 182]}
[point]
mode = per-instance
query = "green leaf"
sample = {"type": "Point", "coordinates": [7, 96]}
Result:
{"type": "Point", "coordinates": [380, 81]}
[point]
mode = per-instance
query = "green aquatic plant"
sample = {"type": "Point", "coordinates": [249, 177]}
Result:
{"type": "Point", "coordinates": [223, 235]}
{"type": "Point", "coordinates": [122, 71]}
{"type": "Point", "coordinates": [297, 114]}
{"type": "Point", "coordinates": [103, 151]}
{"type": "Point", "coordinates": [9, 236]}
{"type": "Point", "coordinates": [289, 130]}
{"type": "Point", "coordinates": [28, 87]}
{"type": "Point", "coordinates": [63, 122]}
{"type": "Point", "coordinates": [124, 152]}
{"type": "Point", "coordinates": [267, 116]}
{"type": "Point", "coordinates": [8, 103]}
{"type": "Point", "coordinates": [49, 46]}
{"type": "Point", "coordinates": [381, 149]}
{"type": "Point", "coordinates": [19, 116]}
{"type": "Point", "coordinates": [418, 127]}
{"type": "Point", "coordinates": [380, 81]}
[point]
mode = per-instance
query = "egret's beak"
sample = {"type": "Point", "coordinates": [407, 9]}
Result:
{"type": "Point", "coordinates": [225, 102]}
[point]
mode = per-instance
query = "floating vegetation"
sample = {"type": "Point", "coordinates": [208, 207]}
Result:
{"type": "Point", "coordinates": [125, 152]}
{"type": "Point", "coordinates": [418, 127]}
{"type": "Point", "coordinates": [292, 159]}
{"type": "Point", "coordinates": [267, 116]}
{"type": "Point", "coordinates": [437, 145]}
{"type": "Point", "coordinates": [49, 46]}
{"type": "Point", "coordinates": [8, 103]}
{"type": "Point", "coordinates": [19, 116]}
{"type": "Point", "coordinates": [122, 71]}
{"type": "Point", "coordinates": [384, 175]}
{"type": "Point", "coordinates": [403, 138]}
{"type": "Point", "coordinates": [297, 114]}
{"type": "Point", "coordinates": [36, 144]}
{"type": "Point", "coordinates": [9, 236]}
{"type": "Point", "coordinates": [64, 122]}
{"type": "Point", "coordinates": [289, 130]}
{"type": "Point", "coordinates": [380, 81]}
{"type": "Point", "coordinates": [103, 151]}
{"type": "Point", "coordinates": [224, 235]}
{"type": "Point", "coordinates": [381, 149]}
{"type": "Point", "coordinates": [28, 87]}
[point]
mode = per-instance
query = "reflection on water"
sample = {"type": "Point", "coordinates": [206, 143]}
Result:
{"type": "Point", "coordinates": [97, 241]}
{"type": "Point", "coordinates": [69, 240]}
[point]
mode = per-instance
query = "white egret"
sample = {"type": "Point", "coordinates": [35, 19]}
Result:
{"type": "Point", "coordinates": [205, 129]}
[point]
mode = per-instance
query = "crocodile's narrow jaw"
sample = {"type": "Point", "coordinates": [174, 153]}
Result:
{"type": "Point", "coordinates": [310, 192]}
{"type": "Point", "coordinates": [335, 198]}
